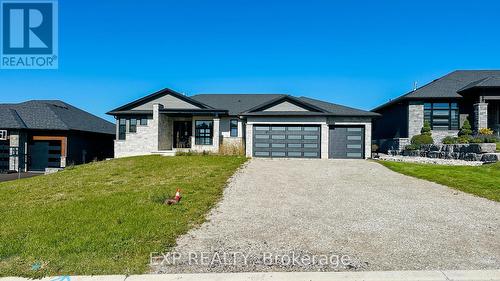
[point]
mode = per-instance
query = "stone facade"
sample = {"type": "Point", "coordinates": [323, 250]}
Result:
{"type": "Point", "coordinates": [481, 115]}
{"type": "Point", "coordinates": [439, 135]}
{"type": "Point", "coordinates": [415, 118]}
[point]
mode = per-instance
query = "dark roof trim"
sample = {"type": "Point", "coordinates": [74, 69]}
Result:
{"type": "Point", "coordinates": [131, 112]}
{"type": "Point", "coordinates": [301, 113]}
{"type": "Point", "coordinates": [156, 95]}
{"type": "Point", "coordinates": [286, 98]}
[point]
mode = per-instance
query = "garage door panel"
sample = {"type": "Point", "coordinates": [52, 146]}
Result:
{"type": "Point", "coordinates": [346, 142]}
{"type": "Point", "coordinates": [292, 141]}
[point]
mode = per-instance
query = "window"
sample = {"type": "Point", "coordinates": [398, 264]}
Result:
{"type": "Point", "coordinates": [233, 127]}
{"type": "Point", "coordinates": [132, 128]}
{"type": "Point", "coordinates": [441, 115]}
{"type": "Point", "coordinates": [203, 132]}
{"type": "Point", "coordinates": [315, 129]}
{"type": "Point", "coordinates": [144, 121]}
{"type": "Point", "coordinates": [3, 135]}
{"type": "Point", "coordinates": [122, 128]}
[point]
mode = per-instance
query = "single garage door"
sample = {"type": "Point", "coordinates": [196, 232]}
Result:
{"type": "Point", "coordinates": [347, 142]}
{"type": "Point", "coordinates": [44, 154]}
{"type": "Point", "coordinates": [294, 141]}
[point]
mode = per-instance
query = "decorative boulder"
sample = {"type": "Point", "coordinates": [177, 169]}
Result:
{"type": "Point", "coordinates": [490, 157]}
{"type": "Point", "coordinates": [488, 147]}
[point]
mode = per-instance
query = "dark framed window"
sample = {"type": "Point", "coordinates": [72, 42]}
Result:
{"type": "Point", "coordinates": [122, 128]}
{"type": "Point", "coordinates": [144, 121]}
{"type": "Point", "coordinates": [233, 126]}
{"type": "Point", "coordinates": [203, 132]}
{"type": "Point", "coordinates": [132, 127]}
{"type": "Point", "coordinates": [442, 115]}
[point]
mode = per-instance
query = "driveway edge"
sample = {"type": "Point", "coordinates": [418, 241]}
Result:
{"type": "Point", "coordinates": [436, 275]}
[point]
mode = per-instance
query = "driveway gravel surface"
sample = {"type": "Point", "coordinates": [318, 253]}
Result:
{"type": "Point", "coordinates": [343, 215]}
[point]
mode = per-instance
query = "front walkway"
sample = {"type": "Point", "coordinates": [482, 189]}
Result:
{"type": "Point", "coordinates": [377, 219]}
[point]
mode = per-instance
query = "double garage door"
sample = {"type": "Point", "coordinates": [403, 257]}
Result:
{"type": "Point", "coordinates": [296, 141]}
{"type": "Point", "coordinates": [293, 141]}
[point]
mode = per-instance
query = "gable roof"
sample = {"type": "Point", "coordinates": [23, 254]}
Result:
{"type": "Point", "coordinates": [157, 95]}
{"type": "Point", "coordinates": [488, 82]}
{"type": "Point", "coordinates": [445, 87]}
{"type": "Point", "coordinates": [235, 103]}
{"type": "Point", "coordinates": [51, 115]}
{"type": "Point", "coordinates": [281, 99]}
{"type": "Point", "coordinates": [251, 104]}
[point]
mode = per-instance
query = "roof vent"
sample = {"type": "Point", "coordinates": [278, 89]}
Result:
{"type": "Point", "coordinates": [415, 84]}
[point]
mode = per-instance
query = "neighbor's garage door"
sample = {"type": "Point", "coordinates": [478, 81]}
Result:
{"type": "Point", "coordinates": [293, 141]}
{"type": "Point", "coordinates": [346, 142]}
{"type": "Point", "coordinates": [44, 154]}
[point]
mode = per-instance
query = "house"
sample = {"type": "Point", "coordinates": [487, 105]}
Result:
{"type": "Point", "coordinates": [40, 134]}
{"type": "Point", "coordinates": [264, 125]}
{"type": "Point", "coordinates": [445, 103]}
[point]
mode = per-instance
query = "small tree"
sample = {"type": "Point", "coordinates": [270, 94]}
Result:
{"type": "Point", "coordinates": [426, 129]}
{"type": "Point", "coordinates": [466, 129]}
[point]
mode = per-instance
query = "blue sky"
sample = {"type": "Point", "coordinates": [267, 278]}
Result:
{"type": "Point", "coordinates": [356, 53]}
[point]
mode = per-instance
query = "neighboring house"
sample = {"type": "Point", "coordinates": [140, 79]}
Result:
{"type": "Point", "coordinates": [38, 134]}
{"type": "Point", "coordinates": [265, 125]}
{"type": "Point", "coordinates": [445, 103]}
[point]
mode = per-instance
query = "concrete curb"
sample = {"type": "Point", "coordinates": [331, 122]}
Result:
{"type": "Point", "coordinates": [448, 275]}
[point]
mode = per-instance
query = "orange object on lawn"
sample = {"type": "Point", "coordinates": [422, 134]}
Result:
{"type": "Point", "coordinates": [176, 199]}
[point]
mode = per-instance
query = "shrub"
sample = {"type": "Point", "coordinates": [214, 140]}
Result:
{"type": "Point", "coordinates": [476, 140]}
{"type": "Point", "coordinates": [466, 129]}
{"type": "Point", "coordinates": [450, 140]}
{"type": "Point", "coordinates": [426, 129]}
{"type": "Point", "coordinates": [486, 131]}
{"type": "Point", "coordinates": [412, 147]}
{"type": "Point", "coordinates": [464, 139]}
{"type": "Point", "coordinates": [422, 139]}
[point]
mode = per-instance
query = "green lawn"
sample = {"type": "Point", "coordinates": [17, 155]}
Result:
{"type": "Point", "coordinates": [105, 217]}
{"type": "Point", "coordinates": [482, 181]}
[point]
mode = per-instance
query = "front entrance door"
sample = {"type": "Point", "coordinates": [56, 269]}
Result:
{"type": "Point", "coordinates": [182, 134]}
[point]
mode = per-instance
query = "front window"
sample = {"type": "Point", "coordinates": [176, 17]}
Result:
{"type": "Point", "coordinates": [441, 115]}
{"type": "Point", "coordinates": [233, 126]}
{"type": "Point", "coordinates": [122, 128]}
{"type": "Point", "coordinates": [203, 132]}
{"type": "Point", "coordinates": [132, 128]}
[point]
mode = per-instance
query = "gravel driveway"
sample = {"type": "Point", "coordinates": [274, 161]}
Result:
{"type": "Point", "coordinates": [360, 211]}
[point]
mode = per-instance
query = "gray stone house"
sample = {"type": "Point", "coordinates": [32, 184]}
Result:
{"type": "Point", "coordinates": [262, 125]}
{"type": "Point", "coordinates": [40, 134]}
{"type": "Point", "coordinates": [445, 103]}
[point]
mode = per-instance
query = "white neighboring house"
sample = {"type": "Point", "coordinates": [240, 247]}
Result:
{"type": "Point", "coordinates": [264, 125]}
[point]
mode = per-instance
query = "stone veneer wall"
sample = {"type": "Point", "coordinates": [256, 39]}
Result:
{"type": "Point", "coordinates": [481, 116]}
{"type": "Point", "coordinates": [415, 118]}
{"type": "Point", "coordinates": [439, 135]}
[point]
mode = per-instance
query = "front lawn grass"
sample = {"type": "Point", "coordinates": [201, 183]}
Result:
{"type": "Point", "coordinates": [105, 217]}
{"type": "Point", "coordinates": [482, 181]}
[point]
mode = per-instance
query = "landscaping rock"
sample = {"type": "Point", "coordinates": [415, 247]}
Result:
{"type": "Point", "coordinates": [488, 147]}
{"type": "Point", "coordinates": [490, 157]}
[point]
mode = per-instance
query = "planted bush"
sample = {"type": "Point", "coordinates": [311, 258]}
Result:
{"type": "Point", "coordinates": [486, 132]}
{"type": "Point", "coordinates": [466, 129]}
{"type": "Point", "coordinates": [412, 147]}
{"type": "Point", "coordinates": [450, 140]}
{"type": "Point", "coordinates": [426, 129]}
{"type": "Point", "coordinates": [422, 139]}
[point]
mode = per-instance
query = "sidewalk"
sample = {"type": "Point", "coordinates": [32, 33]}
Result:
{"type": "Point", "coordinates": [455, 275]}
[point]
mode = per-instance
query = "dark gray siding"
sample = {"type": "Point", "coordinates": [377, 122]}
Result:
{"type": "Point", "coordinates": [393, 123]}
